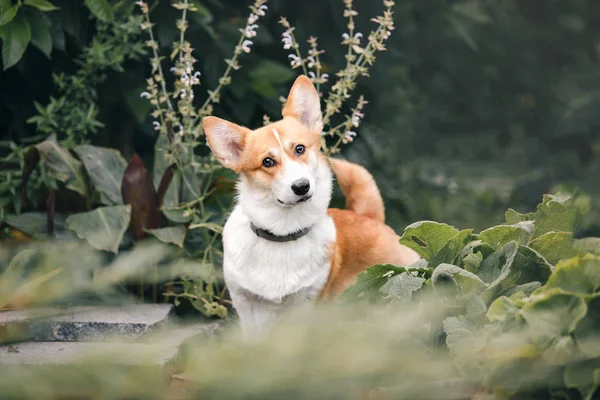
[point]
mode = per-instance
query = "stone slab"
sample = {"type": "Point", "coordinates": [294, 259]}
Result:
{"type": "Point", "coordinates": [159, 350]}
{"type": "Point", "coordinates": [88, 323]}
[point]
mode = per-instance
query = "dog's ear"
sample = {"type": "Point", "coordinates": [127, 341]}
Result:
{"type": "Point", "coordinates": [226, 140]}
{"type": "Point", "coordinates": [304, 104]}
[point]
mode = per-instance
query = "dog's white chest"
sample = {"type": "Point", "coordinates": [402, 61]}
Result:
{"type": "Point", "coordinates": [276, 271]}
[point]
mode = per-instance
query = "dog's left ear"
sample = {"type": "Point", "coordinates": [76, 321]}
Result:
{"type": "Point", "coordinates": [304, 104]}
{"type": "Point", "coordinates": [226, 140]}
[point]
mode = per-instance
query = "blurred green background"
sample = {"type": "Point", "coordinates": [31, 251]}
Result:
{"type": "Point", "coordinates": [476, 106]}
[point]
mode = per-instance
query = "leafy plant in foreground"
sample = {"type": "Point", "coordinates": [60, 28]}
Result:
{"type": "Point", "coordinates": [527, 279]}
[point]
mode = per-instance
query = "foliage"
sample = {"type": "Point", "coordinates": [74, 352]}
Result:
{"type": "Point", "coordinates": [23, 23]}
{"type": "Point", "coordinates": [527, 277]}
{"type": "Point", "coordinates": [183, 196]}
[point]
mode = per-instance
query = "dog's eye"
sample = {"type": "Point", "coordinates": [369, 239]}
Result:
{"type": "Point", "coordinates": [300, 149]}
{"type": "Point", "coordinates": [268, 162]}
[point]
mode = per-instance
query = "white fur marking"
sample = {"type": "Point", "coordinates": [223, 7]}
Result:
{"type": "Point", "coordinates": [284, 154]}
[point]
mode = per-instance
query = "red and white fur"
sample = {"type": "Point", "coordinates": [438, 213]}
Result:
{"type": "Point", "coordinates": [264, 277]}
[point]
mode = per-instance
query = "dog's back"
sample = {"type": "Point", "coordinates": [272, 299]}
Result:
{"type": "Point", "coordinates": [362, 239]}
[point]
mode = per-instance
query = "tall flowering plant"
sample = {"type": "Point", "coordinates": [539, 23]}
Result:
{"type": "Point", "coordinates": [359, 58]}
{"type": "Point", "coordinates": [189, 178]}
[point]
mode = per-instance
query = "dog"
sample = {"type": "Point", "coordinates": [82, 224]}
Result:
{"type": "Point", "coordinates": [283, 247]}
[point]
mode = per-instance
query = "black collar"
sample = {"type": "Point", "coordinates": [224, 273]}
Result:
{"type": "Point", "coordinates": [265, 234]}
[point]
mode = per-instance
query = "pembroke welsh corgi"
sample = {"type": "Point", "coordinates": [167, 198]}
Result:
{"type": "Point", "coordinates": [282, 245]}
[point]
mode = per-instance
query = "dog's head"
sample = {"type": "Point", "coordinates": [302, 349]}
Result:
{"type": "Point", "coordinates": [280, 164]}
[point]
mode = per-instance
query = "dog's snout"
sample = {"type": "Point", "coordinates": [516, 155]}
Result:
{"type": "Point", "coordinates": [301, 186]}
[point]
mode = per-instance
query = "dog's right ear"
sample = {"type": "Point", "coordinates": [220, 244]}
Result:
{"type": "Point", "coordinates": [226, 140]}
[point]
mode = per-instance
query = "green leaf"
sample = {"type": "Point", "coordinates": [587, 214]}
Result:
{"type": "Point", "coordinates": [35, 224]}
{"type": "Point", "coordinates": [554, 246]}
{"type": "Point", "coordinates": [463, 281]}
{"type": "Point", "coordinates": [41, 36]}
{"type": "Point", "coordinates": [105, 167]}
{"type": "Point", "coordinates": [427, 237]}
{"type": "Point", "coordinates": [502, 309]}
{"type": "Point", "coordinates": [472, 261]}
{"type": "Point", "coordinates": [15, 38]}
{"type": "Point", "coordinates": [553, 314]}
{"type": "Point", "coordinates": [102, 228]}
{"type": "Point", "coordinates": [8, 15]}
{"type": "Point", "coordinates": [530, 266]}
{"type": "Point", "coordinates": [63, 166]}
{"type": "Point", "coordinates": [578, 275]}
{"type": "Point", "coordinates": [526, 289]}
{"type": "Point", "coordinates": [587, 332]}
{"type": "Point", "coordinates": [475, 308]}
{"type": "Point", "coordinates": [173, 234]}
{"type": "Point", "coordinates": [584, 376]}
{"type": "Point", "coordinates": [587, 245]}
{"type": "Point", "coordinates": [555, 213]}
{"type": "Point", "coordinates": [369, 282]}
{"type": "Point", "coordinates": [42, 5]}
{"type": "Point", "coordinates": [401, 287]}
{"type": "Point", "coordinates": [496, 268]}
{"type": "Point", "coordinates": [452, 249]}
{"type": "Point", "coordinates": [101, 9]}
{"type": "Point", "coordinates": [460, 339]}
{"type": "Point", "coordinates": [498, 236]}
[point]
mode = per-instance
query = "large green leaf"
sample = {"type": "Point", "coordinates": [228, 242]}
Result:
{"type": "Point", "coordinates": [461, 280]}
{"type": "Point", "coordinates": [63, 166]}
{"type": "Point", "coordinates": [172, 234]}
{"type": "Point", "coordinates": [368, 283]}
{"type": "Point", "coordinates": [585, 377]}
{"type": "Point", "coordinates": [579, 275]}
{"type": "Point", "coordinates": [101, 9]}
{"type": "Point", "coordinates": [41, 36]}
{"type": "Point", "coordinates": [427, 237]}
{"type": "Point", "coordinates": [452, 249]}
{"type": "Point", "coordinates": [502, 309]}
{"type": "Point", "coordinates": [401, 287]}
{"type": "Point", "coordinates": [42, 5]}
{"type": "Point", "coordinates": [16, 35]}
{"type": "Point", "coordinates": [8, 13]}
{"type": "Point", "coordinates": [554, 246]}
{"type": "Point", "coordinates": [555, 213]}
{"type": "Point", "coordinates": [496, 268]}
{"type": "Point", "coordinates": [500, 235]}
{"type": "Point", "coordinates": [102, 228]}
{"type": "Point", "coordinates": [105, 167]}
{"type": "Point", "coordinates": [553, 314]}
{"type": "Point", "coordinates": [460, 339]}
{"type": "Point", "coordinates": [35, 224]}
{"type": "Point", "coordinates": [587, 332]}
{"type": "Point", "coordinates": [528, 267]}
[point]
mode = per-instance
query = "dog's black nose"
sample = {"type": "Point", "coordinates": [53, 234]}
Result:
{"type": "Point", "coordinates": [301, 186]}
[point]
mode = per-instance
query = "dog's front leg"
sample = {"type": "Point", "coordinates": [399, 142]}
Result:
{"type": "Point", "coordinates": [256, 314]}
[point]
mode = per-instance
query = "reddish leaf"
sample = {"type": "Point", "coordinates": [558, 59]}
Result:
{"type": "Point", "coordinates": [170, 131]}
{"type": "Point", "coordinates": [32, 157]}
{"type": "Point", "coordinates": [165, 181]}
{"type": "Point", "coordinates": [138, 190]}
